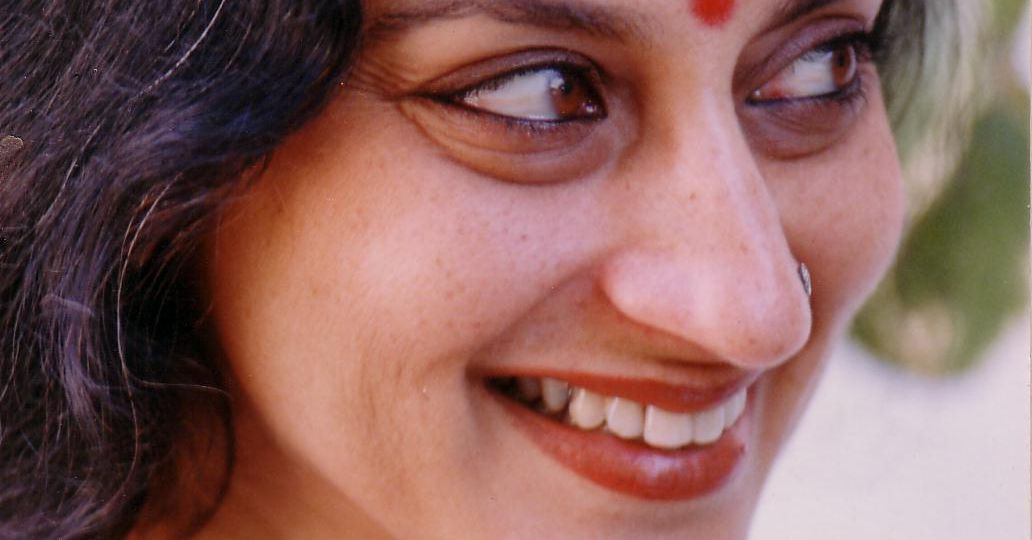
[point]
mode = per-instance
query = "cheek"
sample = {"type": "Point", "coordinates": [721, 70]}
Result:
{"type": "Point", "coordinates": [348, 290]}
{"type": "Point", "coordinates": [437, 258]}
{"type": "Point", "coordinates": [844, 217]}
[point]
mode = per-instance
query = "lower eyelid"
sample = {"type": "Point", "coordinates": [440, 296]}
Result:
{"type": "Point", "coordinates": [514, 150]}
{"type": "Point", "coordinates": [515, 125]}
{"type": "Point", "coordinates": [806, 103]}
{"type": "Point", "coordinates": [497, 132]}
{"type": "Point", "coordinates": [816, 114]}
{"type": "Point", "coordinates": [794, 129]}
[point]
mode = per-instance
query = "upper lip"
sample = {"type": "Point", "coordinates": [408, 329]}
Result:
{"type": "Point", "coordinates": [686, 395]}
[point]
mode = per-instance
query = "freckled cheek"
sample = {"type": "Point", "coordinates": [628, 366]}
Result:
{"type": "Point", "coordinates": [446, 256]}
{"type": "Point", "coordinates": [452, 276]}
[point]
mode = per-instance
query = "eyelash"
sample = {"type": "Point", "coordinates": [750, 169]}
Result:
{"type": "Point", "coordinates": [865, 46]}
{"type": "Point", "coordinates": [589, 75]}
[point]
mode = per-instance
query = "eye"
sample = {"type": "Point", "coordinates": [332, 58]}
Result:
{"type": "Point", "coordinates": [554, 93]}
{"type": "Point", "coordinates": [819, 88]}
{"type": "Point", "coordinates": [530, 117]}
{"type": "Point", "coordinates": [825, 71]}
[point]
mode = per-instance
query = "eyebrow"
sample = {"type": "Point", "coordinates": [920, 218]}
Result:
{"type": "Point", "coordinates": [588, 19]}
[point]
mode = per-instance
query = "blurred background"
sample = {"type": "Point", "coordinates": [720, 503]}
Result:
{"type": "Point", "coordinates": [921, 426]}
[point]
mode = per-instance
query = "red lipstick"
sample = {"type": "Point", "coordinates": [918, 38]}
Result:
{"type": "Point", "coordinates": [632, 467]}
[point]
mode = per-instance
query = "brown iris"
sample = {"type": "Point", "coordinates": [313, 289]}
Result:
{"type": "Point", "coordinates": [571, 95]}
{"type": "Point", "coordinates": [844, 65]}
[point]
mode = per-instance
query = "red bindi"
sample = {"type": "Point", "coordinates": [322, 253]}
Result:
{"type": "Point", "coordinates": [713, 12]}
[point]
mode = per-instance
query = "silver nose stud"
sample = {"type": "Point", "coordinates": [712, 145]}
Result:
{"type": "Point", "coordinates": [804, 276]}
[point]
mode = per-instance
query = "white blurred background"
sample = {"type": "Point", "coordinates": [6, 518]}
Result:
{"type": "Point", "coordinates": [885, 456]}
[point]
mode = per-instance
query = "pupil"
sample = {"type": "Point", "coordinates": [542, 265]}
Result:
{"type": "Point", "coordinates": [568, 96]}
{"type": "Point", "coordinates": [845, 63]}
{"type": "Point", "coordinates": [560, 85]}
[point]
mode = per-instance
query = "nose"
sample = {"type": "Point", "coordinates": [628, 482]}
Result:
{"type": "Point", "coordinates": [702, 253]}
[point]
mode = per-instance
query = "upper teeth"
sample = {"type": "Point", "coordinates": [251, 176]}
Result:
{"type": "Point", "coordinates": [629, 419]}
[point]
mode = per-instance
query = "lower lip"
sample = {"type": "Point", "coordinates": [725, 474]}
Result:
{"type": "Point", "coordinates": [631, 467]}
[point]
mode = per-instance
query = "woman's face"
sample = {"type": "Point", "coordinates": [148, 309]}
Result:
{"type": "Point", "coordinates": [508, 199]}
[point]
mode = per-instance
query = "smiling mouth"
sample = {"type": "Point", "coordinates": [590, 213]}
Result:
{"type": "Point", "coordinates": [647, 439]}
{"type": "Point", "coordinates": [621, 417]}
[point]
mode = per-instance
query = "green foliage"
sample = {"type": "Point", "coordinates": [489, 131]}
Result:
{"type": "Point", "coordinates": [1005, 12]}
{"type": "Point", "coordinates": [962, 270]}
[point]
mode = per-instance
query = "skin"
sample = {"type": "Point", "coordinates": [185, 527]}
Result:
{"type": "Point", "coordinates": [396, 245]}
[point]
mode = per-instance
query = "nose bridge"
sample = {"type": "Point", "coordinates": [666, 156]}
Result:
{"type": "Point", "coordinates": [710, 160]}
{"type": "Point", "coordinates": [710, 261]}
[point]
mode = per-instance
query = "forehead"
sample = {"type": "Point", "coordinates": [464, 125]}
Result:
{"type": "Point", "coordinates": [644, 20]}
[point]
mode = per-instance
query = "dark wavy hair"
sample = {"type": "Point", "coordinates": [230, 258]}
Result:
{"type": "Point", "coordinates": [135, 122]}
